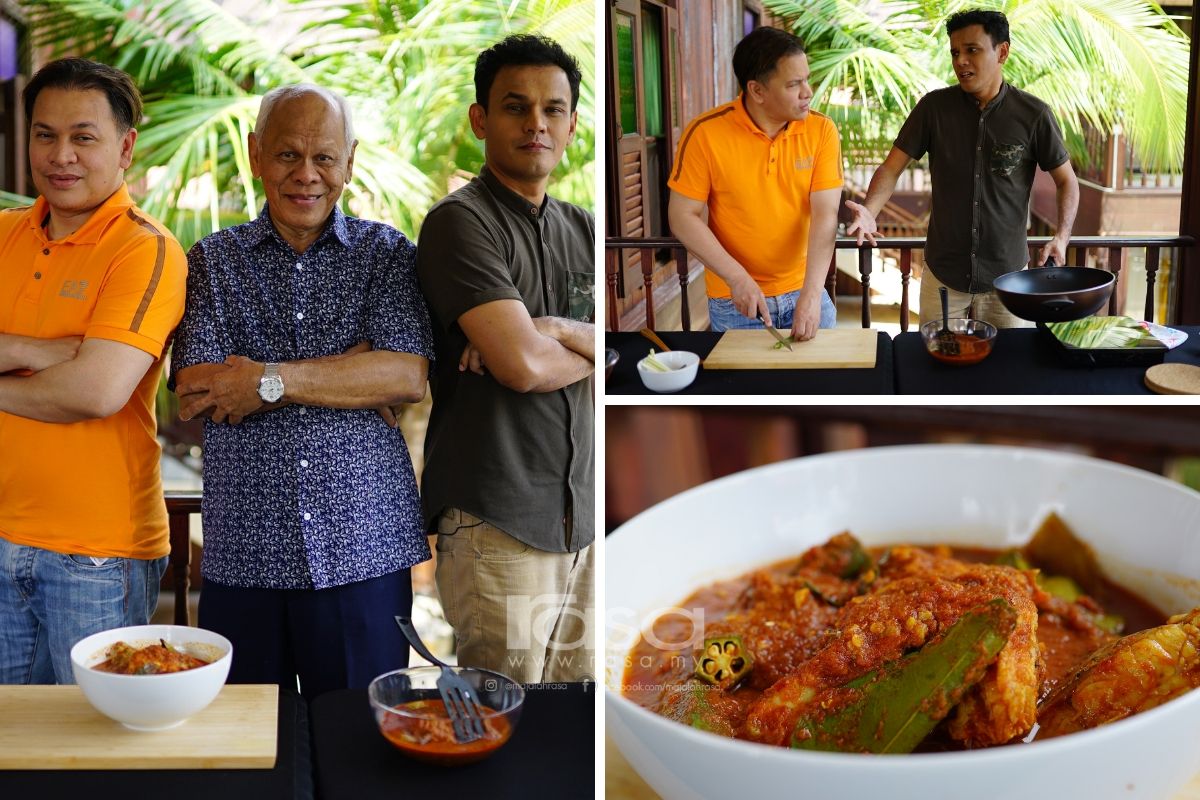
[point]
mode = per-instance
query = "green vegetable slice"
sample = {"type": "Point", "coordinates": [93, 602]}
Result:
{"type": "Point", "coordinates": [653, 363]}
{"type": "Point", "coordinates": [892, 709]}
{"type": "Point", "coordinates": [724, 661]}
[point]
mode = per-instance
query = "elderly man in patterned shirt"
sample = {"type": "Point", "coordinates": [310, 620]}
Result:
{"type": "Point", "coordinates": [302, 329]}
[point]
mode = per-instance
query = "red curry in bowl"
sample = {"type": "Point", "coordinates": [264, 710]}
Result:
{"type": "Point", "coordinates": [155, 659]}
{"type": "Point", "coordinates": [422, 729]}
{"type": "Point", "coordinates": [914, 649]}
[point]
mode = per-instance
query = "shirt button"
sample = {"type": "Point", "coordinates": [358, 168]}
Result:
{"type": "Point", "coordinates": [299, 315]}
{"type": "Point", "coordinates": [304, 462]}
{"type": "Point", "coordinates": [303, 411]}
{"type": "Point", "coordinates": [307, 516]}
{"type": "Point", "coordinates": [37, 276]}
{"type": "Point", "coordinates": [46, 251]}
{"type": "Point", "coordinates": [533, 211]}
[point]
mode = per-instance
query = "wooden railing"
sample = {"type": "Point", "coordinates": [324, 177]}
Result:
{"type": "Point", "coordinates": [180, 507]}
{"type": "Point", "coordinates": [1113, 247]}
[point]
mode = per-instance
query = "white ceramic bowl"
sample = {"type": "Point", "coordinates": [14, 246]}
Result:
{"type": "Point", "coordinates": [683, 371]}
{"type": "Point", "coordinates": [152, 702]}
{"type": "Point", "coordinates": [1144, 528]}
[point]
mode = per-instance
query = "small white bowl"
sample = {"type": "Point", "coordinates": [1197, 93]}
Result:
{"type": "Point", "coordinates": [683, 371]}
{"type": "Point", "coordinates": [152, 702]}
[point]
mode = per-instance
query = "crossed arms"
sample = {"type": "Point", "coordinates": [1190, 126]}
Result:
{"type": "Point", "coordinates": [357, 378]}
{"type": "Point", "coordinates": [526, 354]}
{"type": "Point", "coordinates": [68, 379]}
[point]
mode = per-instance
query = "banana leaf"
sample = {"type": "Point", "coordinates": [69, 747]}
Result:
{"type": "Point", "coordinates": [1103, 332]}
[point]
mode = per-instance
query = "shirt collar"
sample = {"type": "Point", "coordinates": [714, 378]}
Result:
{"type": "Point", "coordinates": [742, 117]}
{"type": "Point", "coordinates": [511, 199]}
{"type": "Point", "coordinates": [118, 203]}
{"type": "Point", "coordinates": [260, 228]}
{"type": "Point", "coordinates": [996, 101]}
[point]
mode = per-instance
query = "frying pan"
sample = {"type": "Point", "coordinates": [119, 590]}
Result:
{"type": "Point", "coordinates": [1054, 294]}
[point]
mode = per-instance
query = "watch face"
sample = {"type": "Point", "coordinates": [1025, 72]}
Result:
{"type": "Point", "coordinates": [270, 389]}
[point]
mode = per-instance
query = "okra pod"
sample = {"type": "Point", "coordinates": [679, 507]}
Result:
{"type": "Point", "coordinates": [892, 709]}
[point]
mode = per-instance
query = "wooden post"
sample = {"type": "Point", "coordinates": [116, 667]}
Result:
{"type": "Point", "coordinates": [864, 269]}
{"type": "Point", "coordinates": [1151, 272]}
{"type": "Point", "coordinates": [831, 277]}
{"type": "Point", "coordinates": [612, 267]}
{"type": "Point", "coordinates": [180, 507]}
{"type": "Point", "coordinates": [647, 254]}
{"type": "Point", "coordinates": [1187, 278]}
{"type": "Point", "coordinates": [1117, 301]}
{"type": "Point", "coordinates": [681, 269]}
{"type": "Point", "coordinates": [1080, 257]}
{"type": "Point", "coordinates": [905, 275]}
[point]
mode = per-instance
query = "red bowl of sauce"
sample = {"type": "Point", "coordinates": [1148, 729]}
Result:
{"type": "Point", "coordinates": [973, 341]}
{"type": "Point", "coordinates": [412, 716]}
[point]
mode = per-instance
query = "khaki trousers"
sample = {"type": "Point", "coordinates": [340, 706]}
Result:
{"type": "Point", "coordinates": [985, 306]}
{"type": "Point", "coordinates": [526, 613]}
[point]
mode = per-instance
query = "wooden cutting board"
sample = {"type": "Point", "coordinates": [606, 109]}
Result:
{"type": "Point", "coordinates": [834, 348]}
{"type": "Point", "coordinates": [54, 727]}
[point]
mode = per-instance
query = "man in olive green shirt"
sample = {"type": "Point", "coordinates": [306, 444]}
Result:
{"type": "Point", "coordinates": [508, 478]}
{"type": "Point", "coordinates": [985, 140]}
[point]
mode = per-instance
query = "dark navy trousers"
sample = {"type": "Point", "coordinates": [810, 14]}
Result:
{"type": "Point", "coordinates": [336, 638]}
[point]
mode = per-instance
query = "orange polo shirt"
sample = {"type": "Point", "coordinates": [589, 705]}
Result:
{"type": "Point", "coordinates": [757, 189]}
{"type": "Point", "coordinates": [92, 487]}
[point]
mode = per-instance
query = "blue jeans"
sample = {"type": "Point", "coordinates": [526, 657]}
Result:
{"type": "Point", "coordinates": [49, 601]}
{"type": "Point", "coordinates": [723, 316]}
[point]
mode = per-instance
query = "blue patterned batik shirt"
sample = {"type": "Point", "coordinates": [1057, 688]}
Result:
{"type": "Point", "coordinates": [305, 497]}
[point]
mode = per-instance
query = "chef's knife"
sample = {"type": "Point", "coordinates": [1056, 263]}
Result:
{"type": "Point", "coordinates": [778, 336]}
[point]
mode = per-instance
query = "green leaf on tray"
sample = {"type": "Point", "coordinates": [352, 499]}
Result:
{"type": "Point", "coordinates": [1101, 332]}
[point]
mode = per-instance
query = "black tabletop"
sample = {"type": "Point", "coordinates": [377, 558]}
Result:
{"type": "Point", "coordinates": [632, 347]}
{"type": "Point", "coordinates": [291, 778]}
{"type": "Point", "coordinates": [1024, 361]}
{"type": "Point", "coordinates": [551, 752]}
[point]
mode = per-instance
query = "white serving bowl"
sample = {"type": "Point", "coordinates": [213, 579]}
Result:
{"type": "Point", "coordinates": [1144, 528]}
{"type": "Point", "coordinates": [683, 371]}
{"type": "Point", "coordinates": [152, 702]}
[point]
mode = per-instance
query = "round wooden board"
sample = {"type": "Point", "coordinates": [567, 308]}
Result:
{"type": "Point", "coordinates": [1173, 379]}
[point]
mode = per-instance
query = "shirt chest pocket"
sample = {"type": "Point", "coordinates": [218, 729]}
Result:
{"type": "Point", "coordinates": [1006, 158]}
{"type": "Point", "coordinates": [61, 308]}
{"type": "Point", "coordinates": [581, 294]}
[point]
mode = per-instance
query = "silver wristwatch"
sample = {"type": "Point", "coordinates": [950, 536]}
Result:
{"type": "Point", "coordinates": [270, 385]}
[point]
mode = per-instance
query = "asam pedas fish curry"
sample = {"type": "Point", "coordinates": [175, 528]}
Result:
{"type": "Point", "coordinates": [902, 649]}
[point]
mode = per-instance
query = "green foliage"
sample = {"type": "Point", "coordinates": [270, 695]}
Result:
{"type": "Point", "coordinates": [406, 66]}
{"type": "Point", "coordinates": [1107, 62]}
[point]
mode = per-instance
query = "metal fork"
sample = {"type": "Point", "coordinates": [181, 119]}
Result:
{"type": "Point", "coordinates": [466, 715]}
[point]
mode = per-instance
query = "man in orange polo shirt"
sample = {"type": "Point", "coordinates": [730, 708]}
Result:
{"type": "Point", "coordinates": [768, 170]}
{"type": "Point", "coordinates": [90, 290]}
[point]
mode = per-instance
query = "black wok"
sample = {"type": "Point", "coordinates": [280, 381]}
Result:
{"type": "Point", "coordinates": [1054, 294]}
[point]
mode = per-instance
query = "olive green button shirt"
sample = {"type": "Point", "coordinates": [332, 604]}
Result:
{"type": "Point", "coordinates": [981, 165]}
{"type": "Point", "coordinates": [522, 462]}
